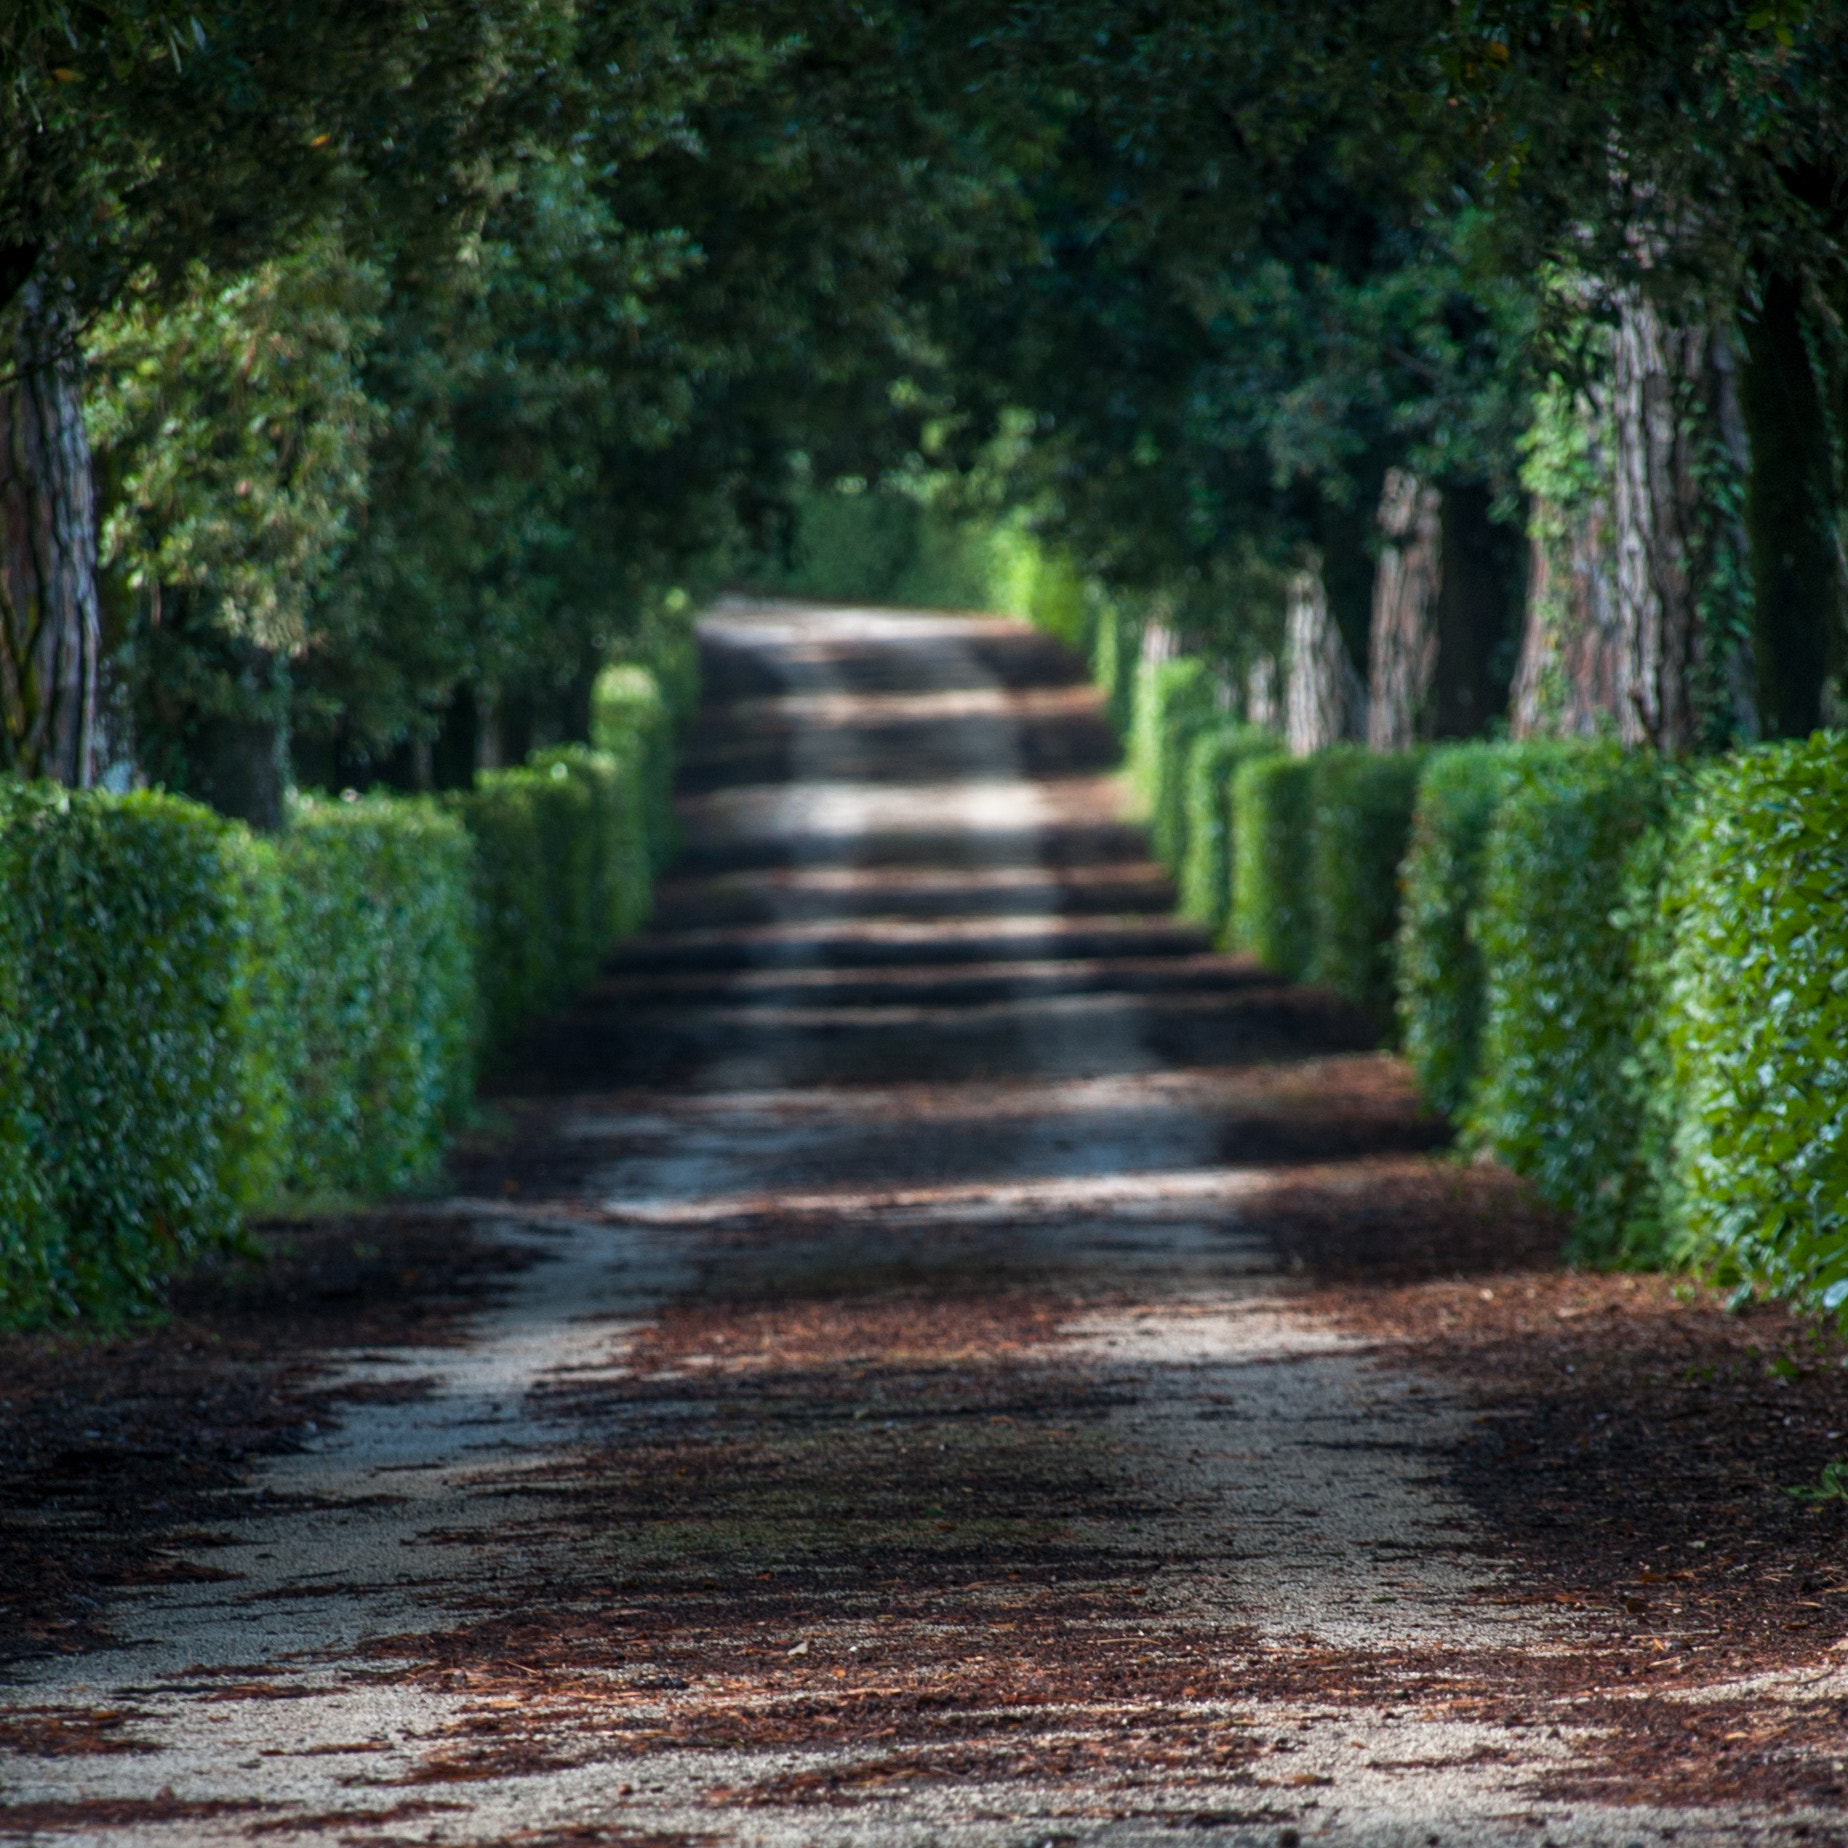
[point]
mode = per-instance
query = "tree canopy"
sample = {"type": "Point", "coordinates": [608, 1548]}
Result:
{"type": "Point", "coordinates": [430, 357]}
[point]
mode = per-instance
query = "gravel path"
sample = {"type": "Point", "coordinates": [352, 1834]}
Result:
{"type": "Point", "coordinates": [907, 1435]}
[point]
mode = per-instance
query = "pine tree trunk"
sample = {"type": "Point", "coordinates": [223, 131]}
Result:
{"type": "Point", "coordinates": [1635, 603]}
{"type": "Point", "coordinates": [1653, 495]}
{"type": "Point", "coordinates": [1403, 634]}
{"type": "Point", "coordinates": [1567, 684]}
{"type": "Point", "coordinates": [1324, 700]}
{"type": "Point", "coordinates": [51, 708]}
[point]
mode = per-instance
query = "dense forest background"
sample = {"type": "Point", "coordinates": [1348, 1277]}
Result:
{"type": "Point", "coordinates": [376, 375]}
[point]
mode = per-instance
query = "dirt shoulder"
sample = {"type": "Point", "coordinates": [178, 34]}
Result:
{"type": "Point", "coordinates": [123, 1456]}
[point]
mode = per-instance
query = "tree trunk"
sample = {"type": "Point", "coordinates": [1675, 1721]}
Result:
{"type": "Point", "coordinates": [1324, 700]}
{"type": "Point", "coordinates": [51, 704]}
{"type": "Point", "coordinates": [1261, 693]}
{"type": "Point", "coordinates": [1635, 587]}
{"type": "Point", "coordinates": [1652, 496]}
{"type": "Point", "coordinates": [1567, 683]}
{"type": "Point", "coordinates": [1796, 570]}
{"type": "Point", "coordinates": [1402, 636]}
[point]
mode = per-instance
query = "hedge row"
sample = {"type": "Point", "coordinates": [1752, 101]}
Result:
{"type": "Point", "coordinates": [1626, 978]}
{"type": "Point", "coordinates": [194, 1019]}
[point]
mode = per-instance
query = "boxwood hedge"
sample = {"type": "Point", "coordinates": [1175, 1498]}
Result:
{"type": "Point", "coordinates": [1572, 1087]}
{"type": "Point", "coordinates": [1173, 700]}
{"type": "Point", "coordinates": [1756, 1018]}
{"type": "Point", "coordinates": [125, 935]}
{"type": "Point", "coordinates": [1361, 813]}
{"type": "Point", "coordinates": [371, 973]}
{"type": "Point", "coordinates": [631, 721]}
{"type": "Point", "coordinates": [1206, 868]}
{"type": "Point", "coordinates": [193, 1019]}
{"type": "Point", "coordinates": [1438, 966]}
{"type": "Point", "coordinates": [1271, 910]}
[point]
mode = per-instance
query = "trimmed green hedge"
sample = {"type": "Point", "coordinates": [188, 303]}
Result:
{"type": "Point", "coordinates": [1116, 649]}
{"type": "Point", "coordinates": [1206, 869]}
{"type": "Point", "coordinates": [1756, 1019]}
{"type": "Point", "coordinates": [1173, 705]}
{"type": "Point", "coordinates": [194, 1020]}
{"type": "Point", "coordinates": [631, 721]}
{"type": "Point", "coordinates": [1271, 909]}
{"type": "Point", "coordinates": [1570, 1092]}
{"type": "Point", "coordinates": [364, 984]}
{"type": "Point", "coordinates": [1361, 815]}
{"type": "Point", "coordinates": [1438, 964]}
{"type": "Point", "coordinates": [125, 936]}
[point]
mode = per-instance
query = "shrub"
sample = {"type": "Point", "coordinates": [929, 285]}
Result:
{"type": "Point", "coordinates": [1570, 1085]}
{"type": "Point", "coordinates": [1757, 1018]}
{"type": "Point", "coordinates": [125, 944]}
{"type": "Point", "coordinates": [1438, 963]}
{"type": "Point", "coordinates": [621, 873]}
{"type": "Point", "coordinates": [1206, 870]}
{"type": "Point", "coordinates": [1173, 704]}
{"type": "Point", "coordinates": [562, 867]}
{"type": "Point", "coordinates": [363, 995]}
{"type": "Point", "coordinates": [1361, 813]}
{"type": "Point", "coordinates": [1271, 913]}
{"type": "Point", "coordinates": [630, 720]}
{"type": "Point", "coordinates": [1116, 647]}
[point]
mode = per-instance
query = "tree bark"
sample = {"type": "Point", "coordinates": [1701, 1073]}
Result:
{"type": "Point", "coordinates": [1796, 569]}
{"type": "Point", "coordinates": [1261, 706]}
{"type": "Point", "coordinates": [1324, 699]}
{"type": "Point", "coordinates": [1567, 683]}
{"type": "Point", "coordinates": [1630, 629]}
{"type": "Point", "coordinates": [1403, 636]}
{"type": "Point", "coordinates": [1653, 495]}
{"type": "Point", "coordinates": [51, 694]}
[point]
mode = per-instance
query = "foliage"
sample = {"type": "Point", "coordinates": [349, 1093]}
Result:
{"type": "Point", "coordinates": [1439, 963]}
{"type": "Point", "coordinates": [631, 721]}
{"type": "Point", "coordinates": [565, 852]}
{"type": "Point", "coordinates": [1272, 912]}
{"type": "Point", "coordinates": [365, 984]}
{"type": "Point", "coordinates": [233, 430]}
{"type": "Point", "coordinates": [1206, 870]}
{"type": "Point", "coordinates": [1173, 702]}
{"type": "Point", "coordinates": [1116, 650]}
{"type": "Point", "coordinates": [128, 939]}
{"type": "Point", "coordinates": [1361, 813]}
{"type": "Point", "coordinates": [1756, 1018]}
{"type": "Point", "coordinates": [1570, 1092]}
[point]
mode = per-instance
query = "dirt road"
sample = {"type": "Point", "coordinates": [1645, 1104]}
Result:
{"type": "Point", "coordinates": [915, 1428]}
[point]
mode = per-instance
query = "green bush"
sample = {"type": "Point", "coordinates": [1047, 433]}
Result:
{"type": "Point", "coordinates": [1271, 814]}
{"type": "Point", "coordinates": [1360, 815]}
{"type": "Point", "coordinates": [1757, 1018]}
{"type": "Point", "coordinates": [363, 996]}
{"type": "Point", "coordinates": [631, 721]}
{"type": "Point", "coordinates": [562, 867]}
{"type": "Point", "coordinates": [1570, 1092]}
{"type": "Point", "coordinates": [1173, 704]}
{"type": "Point", "coordinates": [1206, 869]}
{"type": "Point", "coordinates": [1116, 648]}
{"type": "Point", "coordinates": [193, 1019]}
{"type": "Point", "coordinates": [125, 940]}
{"type": "Point", "coordinates": [1438, 964]}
